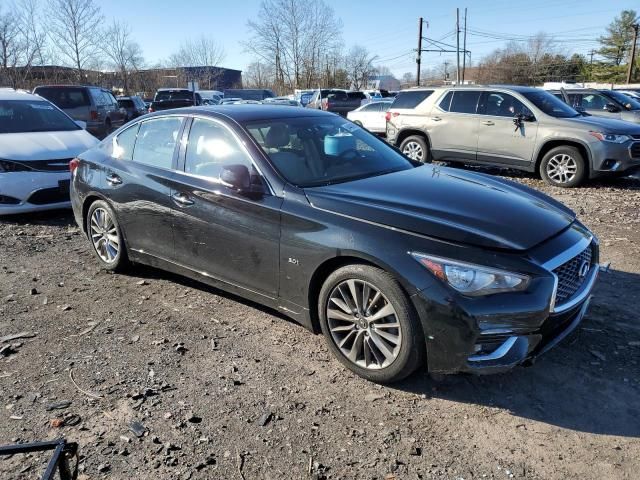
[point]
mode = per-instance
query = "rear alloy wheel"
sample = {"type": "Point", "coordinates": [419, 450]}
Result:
{"type": "Point", "coordinates": [415, 147]}
{"type": "Point", "coordinates": [105, 236]}
{"type": "Point", "coordinates": [563, 167]}
{"type": "Point", "coordinates": [369, 323]}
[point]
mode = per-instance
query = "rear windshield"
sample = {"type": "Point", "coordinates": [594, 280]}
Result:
{"type": "Point", "coordinates": [21, 116]}
{"type": "Point", "coordinates": [173, 95]}
{"type": "Point", "coordinates": [126, 103]}
{"type": "Point", "coordinates": [356, 95]}
{"type": "Point", "coordinates": [67, 97]}
{"type": "Point", "coordinates": [410, 99]}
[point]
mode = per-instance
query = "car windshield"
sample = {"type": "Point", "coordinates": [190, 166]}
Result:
{"type": "Point", "coordinates": [551, 105]}
{"type": "Point", "coordinates": [313, 151]}
{"type": "Point", "coordinates": [22, 116]}
{"type": "Point", "coordinates": [629, 102]}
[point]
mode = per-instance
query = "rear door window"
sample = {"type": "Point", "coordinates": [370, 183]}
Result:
{"type": "Point", "coordinates": [156, 141]}
{"type": "Point", "coordinates": [465, 102]}
{"type": "Point", "coordinates": [411, 99]}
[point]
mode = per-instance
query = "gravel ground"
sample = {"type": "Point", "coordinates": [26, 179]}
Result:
{"type": "Point", "coordinates": [222, 388]}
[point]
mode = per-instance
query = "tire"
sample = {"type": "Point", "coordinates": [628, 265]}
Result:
{"type": "Point", "coordinates": [563, 167]}
{"type": "Point", "coordinates": [360, 335]}
{"type": "Point", "coordinates": [105, 236]}
{"type": "Point", "coordinates": [108, 128]}
{"type": "Point", "coordinates": [416, 148]}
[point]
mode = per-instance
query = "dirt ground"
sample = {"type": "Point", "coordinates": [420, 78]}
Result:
{"type": "Point", "coordinates": [222, 388]}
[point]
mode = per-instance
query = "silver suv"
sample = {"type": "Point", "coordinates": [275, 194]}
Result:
{"type": "Point", "coordinates": [517, 127]}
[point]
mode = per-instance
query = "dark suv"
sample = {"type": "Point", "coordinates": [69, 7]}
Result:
{"type": "Point", "coordinates": [133, 105]}
{"type": "Point", "coordinates": [95, 106]}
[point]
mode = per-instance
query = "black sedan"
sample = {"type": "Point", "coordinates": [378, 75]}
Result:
{"type": "Point", "coordinates": [397, 263]}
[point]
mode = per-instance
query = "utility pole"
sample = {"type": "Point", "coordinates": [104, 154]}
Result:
{"type": "Point", "coordinates": [632, 60]}
{"type": "Point", "coordinates": [420, 21]}
{"type": "Point", "coordinates": [446, 73]}
{"type": "Point", "coordinates": [458, 46]}
{"type": "Point", "coordinates": [464, 48]}
{"type": "Point", "coordinates": [591, 53]}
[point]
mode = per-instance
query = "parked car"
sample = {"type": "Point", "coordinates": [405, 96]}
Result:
{"type": "Point", "coordinates": [95, 106]}
{"type": "Point", "coordinates": [230, 100]}
{"type": "Point", "coordinates": [304, 96]}
{"type": "Point", "coordinates": [211, 97]}
{"type": "Point", "coordinates": [371, 116]}
{"type": "Point", "coordinates": [517, 127]}
{"type": "Point", "coordinates": [37, 142]}
{"type": "Point", "coordinates": [630, 93]}
{"type": "Point", "coordinates": [400, 265]}
{"type": "Point", "coordinates": [602, 103]}
{"type": "Point", "coordinates": [282, 101]}
{"type": "Point", "coordinates": [249, 93]}
{"type": "Point", "coordinates": [336, 101]}
{"type": "Point", "coordinates": [168, 98]}
{"type": "Point", "coordinates": [133, 105]}
{"type": "Point", "coordinates": [318, 95]}
{"type": "Point", "coordinates": [371, 96]}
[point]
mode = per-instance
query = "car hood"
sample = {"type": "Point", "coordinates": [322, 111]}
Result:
{"type": "Point", "coordinates": [607, 125]}
{"type": "Point", "coordinates": [45, 145]}
{"type": "Point", "coordinates": [451, 205]}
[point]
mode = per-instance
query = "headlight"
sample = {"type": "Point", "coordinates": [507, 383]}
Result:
{"type": "Point", "coordinates": [610, 137]}
{"type": "Point", "coordinates": [472, 280]}
{"type": "Point", "coordinates": [6, 167]}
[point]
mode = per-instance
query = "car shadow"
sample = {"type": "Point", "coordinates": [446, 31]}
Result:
{"type": "Point", "coordinates": [588, 383]}
{"type": "Point", "coordinates": [52, 218]}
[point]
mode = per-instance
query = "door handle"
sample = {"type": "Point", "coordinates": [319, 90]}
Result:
{"type": "Point", "coordinates": [436, 119]}
{"type": "Point", "coordinates": [488, 123]}
{"type": "Point", "coordinates": [182, 199]}
{"type": "Point", "coordinates": [113, 179]}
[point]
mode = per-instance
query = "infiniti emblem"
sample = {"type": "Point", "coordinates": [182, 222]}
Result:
{"type": "Point", "coordinates": [584, 269]}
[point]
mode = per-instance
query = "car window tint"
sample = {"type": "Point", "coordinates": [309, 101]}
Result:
{"type": "Point", "coordinates": [65, 97]}
{"type": "Point", "coordinates": [123, 144]}
{"type": "Point", "coordinates": [464, 102]}
{"type": "Point", "coordinates": [211, 146]}
{"type": "Point", "coordinates": [594, 101]}
{"type": "Point", "coordinates": [500, 104]}
{"type": "Point", "coordinates": [157, 141]}
{"type": "Point", "coordinates": [372, 107]}
{"type": "Point", "coordinates": [445, 103]}
{"type": "Point", "coordinates": [411, 99]}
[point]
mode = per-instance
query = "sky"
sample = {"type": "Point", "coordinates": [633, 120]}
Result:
{"type": "Point", "coordinates": [387, 28]}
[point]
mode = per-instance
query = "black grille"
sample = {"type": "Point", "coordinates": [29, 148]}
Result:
{"type": "Point", "coordinates": [569, 279]}
{"type": "Point", "coordinates": [634, 150]}
{"type": "Point", "coordinates": [49, 195]}
{"type": "Point", "coordinates": [635, 137]}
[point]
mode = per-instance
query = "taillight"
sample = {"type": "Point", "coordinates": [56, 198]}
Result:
{"type": "Point", "coordinates": [388, 115]}
{"type": "Point", "coordinates": [151, 110]}
{"type": "Point", "coordinates": [73, 165]}
{"type": "Point", "coordinates": [324, 104]}
{"type": "Point", "coordinates": [94, 114]}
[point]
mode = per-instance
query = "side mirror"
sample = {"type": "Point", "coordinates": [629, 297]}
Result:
{"type": "Point", "coordinates": [611, 108]}
{"type": "Point", "coordinates": [236, 177]}
{"type": "Point", "coordinates": [81, 124]}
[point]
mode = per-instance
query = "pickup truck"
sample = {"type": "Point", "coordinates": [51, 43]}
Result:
{"type": "Point", "coordinates": [168, 98]}
{"type": "Point", "coordinates": [336, 101]}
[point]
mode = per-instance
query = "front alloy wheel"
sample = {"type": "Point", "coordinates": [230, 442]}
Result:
{"type": "Point", "coordinates": [563, 166]}
{"type": "Point", "coordinates": [370, 324]}
{"type": "Point", "coordinates": [363, 324]}
{"type": "Point", "coordinates": [414, 151]}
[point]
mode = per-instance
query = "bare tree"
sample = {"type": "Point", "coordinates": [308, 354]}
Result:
{"type": "Point", "coordinates": [296, 38]}
{"type": "Point", "coordinates": [122, 52]}
{"type": "Point", "coordinates": [74, 28]}
{"type": "Point", "coordinates": [199, 52]}
{"type": "Point", "coordinates": [359, 66]}
{"type": "Point", "coordinates": [258, 75]}
{"type": "Point", "coordinates": [11, 46]}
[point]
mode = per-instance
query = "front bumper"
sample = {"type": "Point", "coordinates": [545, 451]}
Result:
{"type": "Point", "coordinates": [25, 192]}
{"type": "Point", "coordinates": [615, 159]}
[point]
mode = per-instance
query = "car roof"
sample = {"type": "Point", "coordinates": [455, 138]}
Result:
{"type": "Point", "coordinates": [246, 112]}
{"type": "Point", "coordinates": [515, 88]}
{"type": "Point", "coordinates": [11, 94]}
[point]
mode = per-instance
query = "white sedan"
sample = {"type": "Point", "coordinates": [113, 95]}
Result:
{"type": "Point", "coordinates": [37, 141]}
{"type": "Point", "coordinates": [371, 116]}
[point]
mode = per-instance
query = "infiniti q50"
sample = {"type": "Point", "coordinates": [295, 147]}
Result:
{"type": "Point", "coordinates": [398, 264]}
